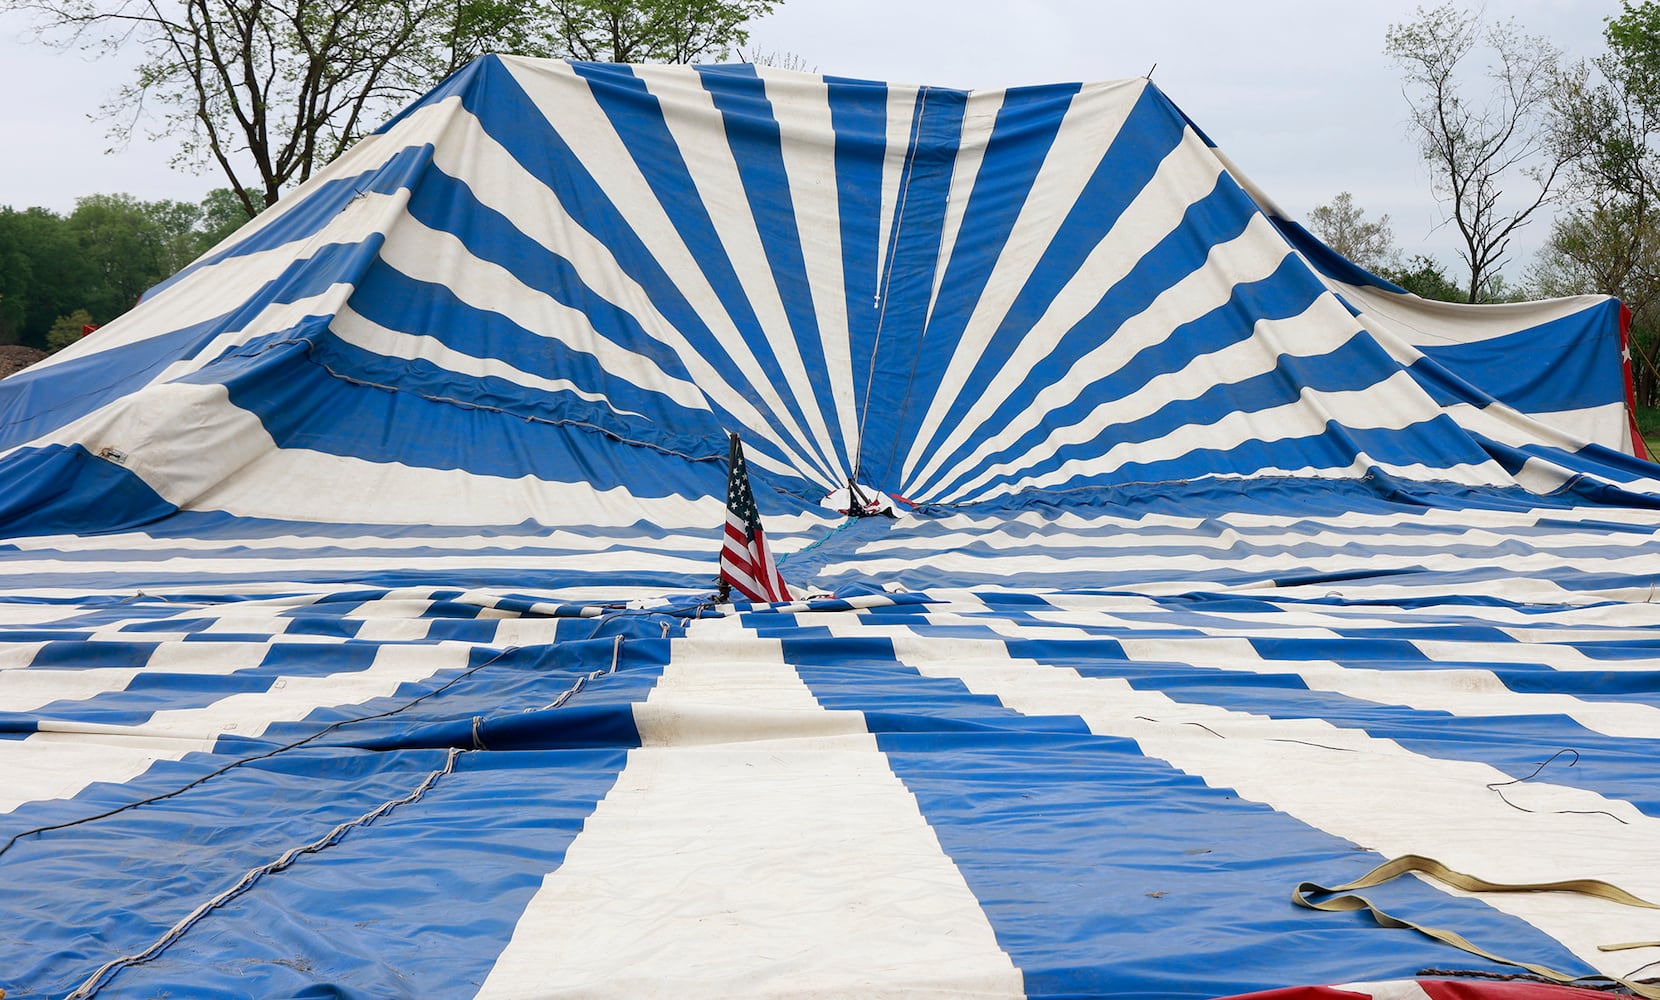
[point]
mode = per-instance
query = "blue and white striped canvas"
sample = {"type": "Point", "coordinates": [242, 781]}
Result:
{"type": "Point", "coordinates": [357, 634]}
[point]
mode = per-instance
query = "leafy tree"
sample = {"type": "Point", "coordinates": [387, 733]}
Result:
{"type": "Point", "coordinates": [222, 214]}
{"type": "Point", "coordinates": [1476, 148]}
{"type": "Point", "coordinates": [1610, 243]}
{"type": "Point", "coordinates": [42, 273]}
{"type": "Point", "coordinates": [267, 91]}
{"type": "Point", "coordinates": [674, 31]}
{"type": "Point", "coordinates": [67, 329]}
{"type": "Point", "coordinates": [1607, 249]}
{"type": "Point", "coordinates": [1615, 115]}
{"type": "Point", "coordinates": [1343, 226]}
{"type": "Point", "coordinates": [130, 245]}
{"type": "Point", "coordinates": [1424, 277]}
{"type": "Point", "coordinates": [100, 258]}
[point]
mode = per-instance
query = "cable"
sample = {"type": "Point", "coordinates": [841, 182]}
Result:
{"type": "Point", "coordinates": [99, 979]}
{"type": "Point", "coordinates": [257, 757]}
{"type": "Point", "coordinates": [887, 272]}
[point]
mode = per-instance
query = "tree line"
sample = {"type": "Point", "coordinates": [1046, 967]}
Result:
{"type": "Point", "coordinates": [59, 273]}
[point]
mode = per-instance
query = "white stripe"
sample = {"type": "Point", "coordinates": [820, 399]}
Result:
{"type": "Point", "coordinates": [499, 181]}
{"type": "Point", "coordinates": [690, 115]}
{"type": "Point", "coordinates": [197, 450]}
{"type": "Point", "coordinates": [440, 258]}
{"type": "Point", "coordinates": [569, 105]}
{"type": "Point", "coordinates": [1186, 175]}
{"type": "Point", "coordinates": [64, 758]}
{"type": "Point", "coordinates": [618, 558]}
{"type": "Point", "coordinates": [1323, 327]}
{"type": "Point", "coordinates": [1463, 693]}
{"type": "Point", "coordinates": [754, 844]}
{"type": "Point", "coordinates": [785, 529]}
{"type": "Point", "coordinates": [27, 690]}
{"type": "Point", "coordinates": [1370, 791]}
{"type": "Point", "coordinates": [1427, 323]}
{"type": "Point", "coordinates": [1395, 403]}
{"type": "Point", "coordinates": [901, 111]}
{"type": "Point", "coordinates": [801, 106]}
{"type": "Point", "coordinates": [1092, 121]}
{"type": "Point", "coordinates": [979, 119]}
{"type": "Point", "coordinates": [352, 328]}
{"type": "Point", "coordinates": [211, 291]}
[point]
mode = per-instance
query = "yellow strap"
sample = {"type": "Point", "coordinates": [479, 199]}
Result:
{"type": "Point", "coordinates": [1397, 867]}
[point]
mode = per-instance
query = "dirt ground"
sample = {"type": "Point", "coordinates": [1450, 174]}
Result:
{"type": "Point", "coordinates": [15, 357]}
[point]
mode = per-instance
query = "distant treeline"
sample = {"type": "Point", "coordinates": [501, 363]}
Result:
{"type": "Point", "coordinates": [59, 272]}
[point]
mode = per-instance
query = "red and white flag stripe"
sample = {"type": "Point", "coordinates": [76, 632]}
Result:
{"type": "Point", "coordinates": [746, 563]}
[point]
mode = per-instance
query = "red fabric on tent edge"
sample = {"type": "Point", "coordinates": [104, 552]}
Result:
{"type": "Point", "coordinates": [1638, 446]}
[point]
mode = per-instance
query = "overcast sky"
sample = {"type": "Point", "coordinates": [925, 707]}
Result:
{"type": "Point", "coordinates": [1297, 92]}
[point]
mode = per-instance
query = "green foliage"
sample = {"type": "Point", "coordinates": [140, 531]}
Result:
{"type": "Point", "coordinates": [130, 245]}
{"type": "Point", "coordinates": [222, 213]}
{"type": "Point", "coordinates": [42, 274]}
{"type": "Point", "coordinates": [100, 258]}
{"type": "Point", "coordinates": [1424, 277]}
{"type": "Point", "coordinates": [1610, 243]}
{"type": "Point", "coordinates": [675, 31]}
{"type": "Point", "coordinates": [67, 330]}
{"type": "Point", "coordinates": [1648, 421]}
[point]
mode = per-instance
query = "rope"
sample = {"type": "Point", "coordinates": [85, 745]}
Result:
{"type": "Point", "coordinates": [887, 272]}
{"type": "Point", "coordinates": [105, 972]}
{"type": "Point", "coordinates": [257, 757]}
{"type": "Point", "coordinates": [1433, 869]}
{"type": "Point", "coordinates": [786, 557]}
{"type": "Point", "coordinates": [582, 682]}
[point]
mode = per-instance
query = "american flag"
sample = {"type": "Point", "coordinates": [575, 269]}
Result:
{"type": "Point", "coordinates": [745, 562]}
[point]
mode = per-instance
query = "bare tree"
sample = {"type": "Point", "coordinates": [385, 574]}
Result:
{"type": "Point", "coordinates": [1477, 148]}
{"type": "Point", "coordinates": [1343, 226]}
{"type": "Point", "coordinates": [778, 60]}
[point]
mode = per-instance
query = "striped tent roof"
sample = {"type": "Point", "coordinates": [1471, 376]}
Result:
{"type": "Point", "coordinates": [356, 615]}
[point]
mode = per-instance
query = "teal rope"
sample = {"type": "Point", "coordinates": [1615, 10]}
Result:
{"type": "Point", "coordinates": [781, 560]}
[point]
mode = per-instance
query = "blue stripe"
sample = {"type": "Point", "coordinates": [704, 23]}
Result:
{"type": "Point", "coordinates": [753, 133]}
{"type": "Point", "coordinates": [1068, 842]}
{"type": "Point", "coordinates": [406, 169]}
{"type": "Point", "coordinates": [281, 387]}
{"type": "Point", "coordinates": [638, 119]}
{"type": "Point", "coordinates": [1584, 369]}
{"type": "Point", "coordinates": [906, 282]}
{"type": "Point", "coordinates": [475, 879]}
{"type": "Point", "coordinates": [1149, 133]}
{"type": "Point", "coordinates": [858, 116]}
{"type": "Point", "coordinates": [58, 489]}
